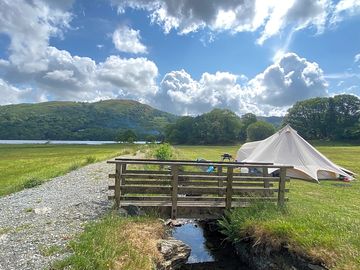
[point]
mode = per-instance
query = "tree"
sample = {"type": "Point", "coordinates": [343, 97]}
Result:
{"type": "Point", "coordinates": [259, 130]}
{"type": "Point", "coordinates": [246, 120]}
{"type": "Point", "coordinates": [326, 118]}
{"type": "Point", "coordinates": [163, 152]}
{"type": "Point", "coordinates": [216, 127]}
{"type": "Point", "coordinates": [128, 136]}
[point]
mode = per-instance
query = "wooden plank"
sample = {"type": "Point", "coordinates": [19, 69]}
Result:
{"type": "Point", "coordinates": [214, 184]}
{"type": "Point", "coordinates": [193, 198]}
{"type": "Point", "coordinates": [282, 190]}
{"type": "Point", "coordinates": [148, 189]}
{"type": "Point", "coordinates": [148, 182]}
{"type": "Point", "coordinates": [147, 176]}
{"type": "Point", "coordinates": [256, 178]}
{"type": "Point", "coordinates": [229, 188]}
{"type": "Point", "coordinates": [148, 172]}
{"type": "Point", "coordinates": [174, 194]}
{"type": "Point", "coordinates": [198, 190]}
{"type": "Point", "coordinates": [145, 198]}
{"type": "Point", "coordinates": [239, 190]}
{"type": "Point", "coordinates": [192, 163]}
{"type": "Point", "coordinates": [201, 177]}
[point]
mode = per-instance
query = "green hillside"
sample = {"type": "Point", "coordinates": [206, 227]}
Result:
{"type": "Point", "coordinates": [102, 120]}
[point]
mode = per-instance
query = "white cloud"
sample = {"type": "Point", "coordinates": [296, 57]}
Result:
{"type": "Point", "coordinates": [134, 76]}
{"type": "Point", "coordinates": [269, 17]}
{"type": "Point", "coordinates": [345, 8]}
{"type": "Point", "coordinates": [77, 78]}
{"type": "Point", "coordinates": [127, 40]}
{"type": "Point", "coordinates": [357, 58]}
{"type": "Point", "coordinates": [288, 80]}
{"type": "Point", "coordinates": [29, 24]}
{"type": "Point", "coordinates": [11, 94]}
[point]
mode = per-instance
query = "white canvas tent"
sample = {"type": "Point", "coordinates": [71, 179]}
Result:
{"type": "Point", "coordinates": [287, 147]}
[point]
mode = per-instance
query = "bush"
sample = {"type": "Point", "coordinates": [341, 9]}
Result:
{"type": "Point", "coordinates": [163, 152]}
{"type": "Point", "coordinates": [259, 130]}
{"type": "Point", "coordinates": [32, 182]}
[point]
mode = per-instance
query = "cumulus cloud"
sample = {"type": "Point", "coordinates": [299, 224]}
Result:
{"type": "Point", "coordinates": [70, 77]}
{"type": "Point", "coordinates": [127, 40]}
{"type": "Point", "coordinates": [41, 72]}
{"type": "Point", "coordinates": [288, 80]}
{"type": "Point", "coordinates": [357, 58]}
{"type": "Point", "coordinates": [30, 24]}
{"type": "Point", "coordinates": [270, 17]}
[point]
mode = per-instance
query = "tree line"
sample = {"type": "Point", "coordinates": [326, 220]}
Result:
{"type": "Point", "coordinates": [325, 118]}
{"type": "Point", "coordinates": [217, 127]}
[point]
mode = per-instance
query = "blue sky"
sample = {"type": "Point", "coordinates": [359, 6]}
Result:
{"type": "Point", "coordinates": [183, 56]}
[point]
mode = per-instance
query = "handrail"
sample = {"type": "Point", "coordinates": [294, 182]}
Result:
{"type": "Point", "coordinates": [196, 163]}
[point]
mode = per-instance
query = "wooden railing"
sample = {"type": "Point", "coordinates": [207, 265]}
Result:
{"type": "Point", "coordinates": [182, 185]}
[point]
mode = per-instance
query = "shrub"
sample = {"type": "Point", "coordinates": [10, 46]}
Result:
{"type": "Point", "coordinates": [32, 182]}
{"type": "Point", "coordinates": [259, 130]}
{"type": "Point", "coordinates": [90, 159]}
{"type": "Point", "coordinates": [164, 152]}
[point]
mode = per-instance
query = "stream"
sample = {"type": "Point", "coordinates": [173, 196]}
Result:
{"type": "Point", "coordinates": [209, 250]}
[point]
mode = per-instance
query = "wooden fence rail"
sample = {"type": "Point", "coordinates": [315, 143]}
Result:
{"type": "Point", "coordinates": [181, 188]}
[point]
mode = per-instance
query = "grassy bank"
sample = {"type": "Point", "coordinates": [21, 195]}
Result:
{"type": "Point", "coordinates": [23, 166]}
{"type": "Point", "coordinates": [116, 243]}
{"type": "Point", "coordinates": [320, 220]}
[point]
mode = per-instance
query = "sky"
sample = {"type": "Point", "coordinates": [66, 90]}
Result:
{"type": "Point", "coordinates": [181, 56]}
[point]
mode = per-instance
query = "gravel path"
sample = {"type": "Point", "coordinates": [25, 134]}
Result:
{"type": "Point", "coordinates": [37, 223]}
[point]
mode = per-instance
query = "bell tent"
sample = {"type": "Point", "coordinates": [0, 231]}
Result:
{"type": "Point", "coordinates": [287, 147]}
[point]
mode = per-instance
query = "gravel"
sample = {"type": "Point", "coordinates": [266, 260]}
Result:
{"type": "Point", "coordinates": [36, 224]}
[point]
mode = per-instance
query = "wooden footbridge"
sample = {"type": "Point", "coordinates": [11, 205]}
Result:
{"type": "Point", "coordinates": [182, 188]}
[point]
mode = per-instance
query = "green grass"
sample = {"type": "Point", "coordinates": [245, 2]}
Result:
{"type": "Point", "coordinates": [26, 166]}
{"type": "Point", "coordinates": [320, 220]}
{"type": "Point", "coordinates": [116, 243]}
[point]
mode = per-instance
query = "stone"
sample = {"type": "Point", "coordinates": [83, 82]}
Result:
{"type": "Point", "coordinates": [133, 210]}
{"type": "Point", "coordinates": [174, 252]}
{"type": "Point", "coordinates": [42, 210]}
{"type": "Point", "coordinates": [122, 212]}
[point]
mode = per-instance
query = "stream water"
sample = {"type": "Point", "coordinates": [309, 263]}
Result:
{"type": "Point", "coordinates": [208, 248]}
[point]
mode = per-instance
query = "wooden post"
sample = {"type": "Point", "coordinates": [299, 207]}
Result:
{"type": "Point", "coordinates": [118, 173]}
{"type": "Point", "coordinates": [220, 181]}
{"type": "Point", "coordinates": [281, 193]}
{"type": "Point", "coordinates": [266, 182]}
{"type": "Point", "coordinates": [174, 194]}
{"type": "Point", "coordinates": [123, 171]}
{"type": "Point", "coordinates": [229, 190]}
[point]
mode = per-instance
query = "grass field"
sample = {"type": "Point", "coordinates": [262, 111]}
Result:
{"type": "Point", "coordinates": [320, 220]}
{"type": "Point", "coordinates": [23, 166]}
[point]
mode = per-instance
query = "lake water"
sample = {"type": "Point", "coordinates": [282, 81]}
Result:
{"type": "Point", "coordinates": [61, 142]}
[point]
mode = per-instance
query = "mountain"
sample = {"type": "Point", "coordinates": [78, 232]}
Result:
{"type": "Point", "coordinates": [275, 120]}
{"type": "Point", "coordinates": [60, 120]}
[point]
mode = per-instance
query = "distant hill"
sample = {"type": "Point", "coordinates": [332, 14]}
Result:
{"type": "Point", "coordinates": [275, 120]}
{"type": "Point", "coordinates": [60, 120]}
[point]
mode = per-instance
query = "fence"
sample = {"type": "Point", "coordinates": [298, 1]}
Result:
{"type": "Point", "coordinates": [182, 188]}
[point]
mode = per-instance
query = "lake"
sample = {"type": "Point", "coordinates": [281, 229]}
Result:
{"type": "Point", "coordinates": [62, 142]}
